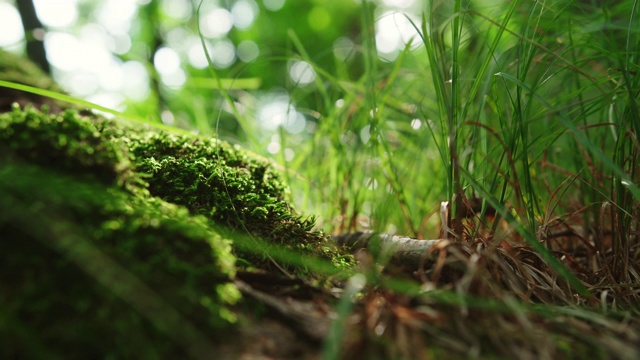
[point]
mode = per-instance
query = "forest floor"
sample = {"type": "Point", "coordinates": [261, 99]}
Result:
{"type": "Point", "coordinates": [122, 240]}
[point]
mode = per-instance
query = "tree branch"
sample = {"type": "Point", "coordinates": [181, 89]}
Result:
{"type": "Point", "coordinates": [32, 27]}
{"type": "Point", "coordinates": [399, 250]}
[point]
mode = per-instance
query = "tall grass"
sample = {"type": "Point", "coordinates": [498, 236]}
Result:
{"type": "Point", "coordinates": [532, 106]}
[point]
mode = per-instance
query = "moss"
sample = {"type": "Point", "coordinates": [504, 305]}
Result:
{"type": "Point", "coordinates": [93, 263]}
{"type": "Point", "coordinates": [111, 237]}
{"type": "Point", "coordinates": [93, 269]}
{"type": "Point", "coordinates": [223, 183]}
{"type": "Point", "coordinates": [67, 142]}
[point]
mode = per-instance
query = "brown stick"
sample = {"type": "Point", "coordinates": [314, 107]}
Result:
{"type": "Point", "coordinates": [405, 251]}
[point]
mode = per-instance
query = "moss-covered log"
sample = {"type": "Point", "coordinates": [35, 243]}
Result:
{"type": "Point", "coordinates": [117, 236]}
{"type": "Point", "coordinates": [94, 264]}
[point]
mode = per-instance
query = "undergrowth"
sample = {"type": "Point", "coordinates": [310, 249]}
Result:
{"type": "Point", "coordinates": [523, 117]}
{"type": "Point", "coordinates": [507, 129]}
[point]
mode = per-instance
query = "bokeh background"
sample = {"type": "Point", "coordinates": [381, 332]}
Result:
{"type": "Point", "coordinates": [146, 57]}
{"type": "Point", "coordinates": [345, 99]}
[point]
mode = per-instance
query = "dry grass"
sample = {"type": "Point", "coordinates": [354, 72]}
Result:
{"type": "Point", "coordinates": [486, 300]}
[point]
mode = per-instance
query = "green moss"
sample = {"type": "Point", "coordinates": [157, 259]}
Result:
{"type": "Point", "coordinates": [95, 264]}
{"type": "Point", "coordinates": [66, 142]}
{"type": "Point", "coordinates": [93, 269]}
{"type": "Point", "coordinates": [110, 235]}
{"type": "Point", "coordinates": [223, 183]}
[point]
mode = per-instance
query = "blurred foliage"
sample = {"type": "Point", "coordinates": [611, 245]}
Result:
{"type": "Point", "coordinates": [318, 23]}
{"type": "Point", "coordinates": [373, 139]}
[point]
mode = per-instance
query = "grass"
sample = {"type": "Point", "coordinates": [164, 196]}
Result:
{"type": "Point", "coordinates": [531, 106]}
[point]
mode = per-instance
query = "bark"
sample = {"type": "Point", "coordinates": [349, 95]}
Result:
{"type": "Point", "coordinates": [33, 32]}
{"type": "Point", "coordinates": [399, 250]}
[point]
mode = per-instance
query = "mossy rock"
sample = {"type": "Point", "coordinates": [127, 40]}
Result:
{"type": "Point", "coordinates": [90, 269]}
{"type": "Point", "coordinates": [221, 182]}
{"type": "Point", "coordinates": [117, 236]}
{"type": "Point", "coordinates": [65, 142]}
{"type": "Point", "coordinates": [95, 265]}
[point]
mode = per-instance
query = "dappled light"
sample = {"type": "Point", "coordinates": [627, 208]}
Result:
{"type": "Point", "coordinates": [384, 179]}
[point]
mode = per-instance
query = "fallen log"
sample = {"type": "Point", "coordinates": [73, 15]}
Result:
{"type": "Point", "coordinates": [397, 250]}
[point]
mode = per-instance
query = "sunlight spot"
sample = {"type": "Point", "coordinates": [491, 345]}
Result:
{"type": "Point", "coordinates": [273, 5]}
{"type": "Point", "coordinates": [365, 134]}
{"type": "Point", "coordinates": [295, 124]}
{"type": "Point", "coordinates": [181, 39]}
{"type": "Point", "coordinates": [394, 31]}
{"type": "Point", "coordinates": [175, 79]}
{"type": "Point", "coordinates": [343, 48]}
{"type": "Point", "coordinates": [339, 103]}
{"type": "Point", "coordinates": [197, 57]}
{"type": "Point", "coordinates": [136, 86]}
{"type": "Point", "coordinates": [402, 4]}
{"type": "Point", "coordinates": [371, 184]}
{"type": "Point", "coordinates": [166, 61]}
{"type": "Point", "coordinates": [273, 147]}
{"type": "Point", "coordinates": [223, 54]}
{"type": "Point", "coordinates": [301, 72]}
{"type": "Point", "coordinates": [167, 117]}
{"type": "Point", "coordinates": [275, 113]}
{"type": "Point", "coordinates": [416, 124]}
{"type": "Point", "coordinates": [117, 15]}
{"type": "Point", "coordinates": [79, 84]}
{"type": "Point", "coordinates": [63, 50]}
{"type": "Point", "coordinates": [288, 154]}
{"type": "Point", "coordinates": [176, 9]}
{"type": "Point", "coordinates": [56, 14]}
{"type": "Point", "coordinates": [11, 32]}
{"type": "Point", "coordinates": [217, 23]}
{"type": "Point", "coordinates": [109, 100]}
{"type": "Point", "coordinates": [278, 112]}
{"type": "Point", "coordinates": [248, 51]}
{"type": "Point", "coordinates": [244, 12]}
{"type": "Point", "coordinates": [122, 44]}
{"type": "Point", "coordinates": [111, 77]}
{"type": "Point", "coordinates": [94, 56]}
